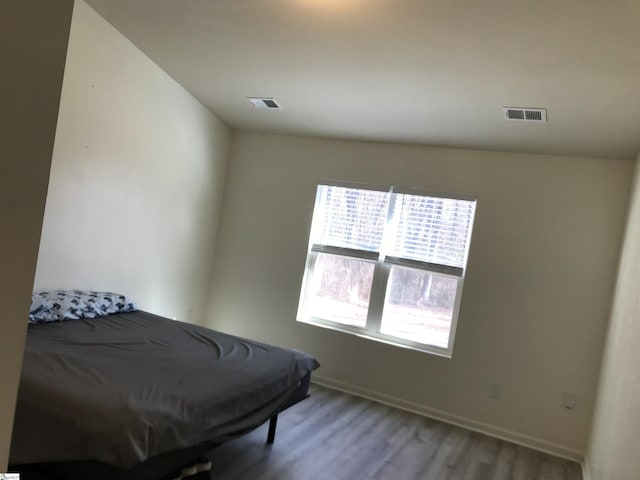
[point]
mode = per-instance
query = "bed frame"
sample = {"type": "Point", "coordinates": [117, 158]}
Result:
{"type": "Point", "coordinates": [161, 467]}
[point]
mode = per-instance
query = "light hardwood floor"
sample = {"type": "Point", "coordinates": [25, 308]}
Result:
{"type": "Point", "coordinates": [335, 436]}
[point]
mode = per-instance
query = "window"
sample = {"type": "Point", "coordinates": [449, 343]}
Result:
{"type": "Point", "coordinates": [387, 263]}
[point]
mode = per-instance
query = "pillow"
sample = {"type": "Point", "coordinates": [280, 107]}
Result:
{"type": "Point", "coordinates": [41, 309]}
{"type": "Point", "coordinates": [61, 305]}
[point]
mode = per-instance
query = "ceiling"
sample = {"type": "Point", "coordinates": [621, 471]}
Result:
{"type": "Point", "coordinates": [434, 72]}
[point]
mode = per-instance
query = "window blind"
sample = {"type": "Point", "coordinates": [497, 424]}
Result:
{"type": "Point", "coordinates": [433, 229]}
{"type": "Point", "coordinates": [351, 217]}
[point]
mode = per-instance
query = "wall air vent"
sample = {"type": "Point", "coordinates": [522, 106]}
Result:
{"type": "Point", "coordinates": [264, 102]}
{"type": "Point", "coordinates": [524, 114]}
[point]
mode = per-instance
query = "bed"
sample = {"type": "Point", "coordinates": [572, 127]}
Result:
{"type": "Point", "coordinates": [134, 395]}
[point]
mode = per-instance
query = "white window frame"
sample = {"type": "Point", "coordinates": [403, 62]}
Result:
{"type": "Point", "coordinates": [382, 267]}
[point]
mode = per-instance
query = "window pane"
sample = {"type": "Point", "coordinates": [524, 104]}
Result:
{"type": "Point", "coordinates": [433, 229]}
{"type": "Point", "coordinates": [340, 289]}
{"type": "Point", "coordinates": [351, 218]}
{"type": "Point", "coordinates": [419, 306]}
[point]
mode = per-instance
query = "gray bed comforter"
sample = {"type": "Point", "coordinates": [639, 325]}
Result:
{"type": "Point", "coordinates": [123, 388]}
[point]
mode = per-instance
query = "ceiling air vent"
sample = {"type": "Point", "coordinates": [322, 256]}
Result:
{"type": "Point", "coordinates": [524, 114]}
{"type": "Point", "coordinates": [264, 102]}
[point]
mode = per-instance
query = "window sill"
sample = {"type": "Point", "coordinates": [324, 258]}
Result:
{"type": "Point", "coordinates": [377, 337]}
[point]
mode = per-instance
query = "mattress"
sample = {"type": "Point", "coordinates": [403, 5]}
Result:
{"type": "Point", "coordinates": [127, 387]}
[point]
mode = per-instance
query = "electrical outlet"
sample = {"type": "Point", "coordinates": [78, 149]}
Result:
{"type": "Point", "coordinates": [569, 401]}
{"type": "Point", "coordinates": [189, 314]}
{"type": "Point", "coordinates": [495, 391]}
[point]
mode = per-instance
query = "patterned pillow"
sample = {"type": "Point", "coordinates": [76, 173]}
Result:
{"type": "Point", "coordinates": [75, 304]}
{"type": "Point", "coordinates": [41, 309]}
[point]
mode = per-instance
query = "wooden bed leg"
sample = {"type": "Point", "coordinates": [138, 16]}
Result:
{"type": "Point", "coordinates": [273, 422]}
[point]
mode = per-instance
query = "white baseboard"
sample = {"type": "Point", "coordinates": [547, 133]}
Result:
{"type": "Point", "coordinates": [454, 419]}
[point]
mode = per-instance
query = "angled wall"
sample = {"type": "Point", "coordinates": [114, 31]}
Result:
{"type": "Point", "coordinates": [136, 178]}
{"type": "Point", "coordinates": [613, 447]}
{"type": "Point", "coordinates": [33, 45]}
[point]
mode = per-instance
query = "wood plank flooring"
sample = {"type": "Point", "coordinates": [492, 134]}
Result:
{"type": "Point", "coordinates": [335, 436]}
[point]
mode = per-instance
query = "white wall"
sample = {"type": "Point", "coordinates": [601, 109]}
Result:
{"type": "Point", "coordinates": [136, 178]}
{"type": "Point", "coordinates": [613, 447]}
{"type": "Point", "coordinates": [536, 298]}
{"type": "Point", "coordinates": [33, 44]}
